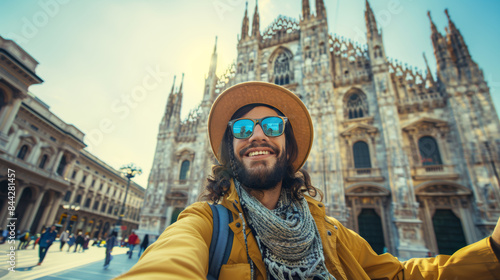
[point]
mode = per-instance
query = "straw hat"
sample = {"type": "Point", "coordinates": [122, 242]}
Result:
{"type": "Point", "coordinates": [273, 95]}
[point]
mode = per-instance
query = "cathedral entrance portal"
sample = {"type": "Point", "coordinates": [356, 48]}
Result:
{"type": "Point", "coordinates": [368, 206]}
{"type": "Point", "coordinates": [445, 210]}
{"type": "Point", "coordinates": [449, 232]}
{"type": "Point", "coordinates": [370, 227]}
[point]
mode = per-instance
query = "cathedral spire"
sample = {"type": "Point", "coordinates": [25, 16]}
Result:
{"type": "Point", "coordinates": [306, 9]}
{"type": "Point", "coordinates": [215, 45]}
{"type": "Point", "coordinates": [213, 62]}
{"type": "Point", "coordinates": [433, 26]}
{"type": "Point", "coordinates": [256, 21]}
{"type": "Point", "coordinates": [173, 86]}
{"type": "Point", "coordinates": [169, 107]}
{"type": "Point", "coordinates": [374, 40]}
{"type": "Point", "coordinates": [178, 103]}
{"type": "Point", "coordinates": [211, 79]}
{"type": "Point", "coordinates": [436, 37]}
{"type": "Point", "coordinates": [441, 53]}
{"type": "Point", "coordinates": [320, 9]}
{"type": "Point", "coordinates": [182, 82]}
{"type": "Point", "coordinates": [451, 25]}
{"type": "Point", "coordinates": [428, 78]}
{"type": "Point", "coordinates": [371, 23]}
{"type": "Point", "coordinates": [245, 27]}
{"type": "Point", "coordinates": [456, 43]}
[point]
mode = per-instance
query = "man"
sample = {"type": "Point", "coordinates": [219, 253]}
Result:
{"type": "Point", "coordinates": [24, 240]}
{"type": "Point", "coordinates": [110, 243]}
{"type": "Point", "coordinates": [132, 240]}
{"type": "Point", "coordinates": [46, 240]}
{"type": "Point", "coordinates": [63, 239]}
{"type": "Point", "coordinates": [79, 242]}
{"type": "Point", "coordinates": [261, 135]}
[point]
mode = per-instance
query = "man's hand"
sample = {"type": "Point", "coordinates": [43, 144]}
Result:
{"type": "Point", "coordinates": [495, 240]}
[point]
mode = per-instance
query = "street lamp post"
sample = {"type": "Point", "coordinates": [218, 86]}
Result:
{"type": "Point", "coordinates": [129, 171]}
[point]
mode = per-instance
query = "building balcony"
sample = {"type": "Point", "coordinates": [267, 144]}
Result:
{"type": "Point", "coordinates": [181, 185]}
{"type": "Point", "coordinates": [433, 172]}
{"type": "Point", "coordinates": [364, 174]}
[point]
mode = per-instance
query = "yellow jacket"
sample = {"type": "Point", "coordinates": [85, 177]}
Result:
{"type": "Point", "coordinates": [181, 252]}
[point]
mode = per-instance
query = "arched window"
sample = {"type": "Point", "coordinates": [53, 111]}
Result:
{"type": "Point", "coordinates": [67, 196]}
{"type": "Point", "coordinates": [250, 66]}
{"type": "Point", "coordinates": [87, 202]}
{"type": "Point", "coordinates": [377, 51]}
{"type": "Point", "coordinates": [96, 205]}
{"type": "Point", "coordinates": [361, 154]}
{"type": "Point", "coordinates": [322, 48]}
{"type": "Point", "coordinates": [43, 161]}
{"type": "Point", "coordinates": [3, 100]}
{"type": "Point", "coordinates": [78, 199]}
{"type": "Point", "coordinates": [103, 207]}
{"type": "Point", "coordinates": [23, 152]}
{"type": "Point", "coordinates": [110, 209]}
{"type": "Point", "coordinates": [62, 166]}
{"type": "Point", "coordinates": [356, 106]}
{"type": "Point", "coordinates": [308, 52]}
{"type": "Point", "coordinates": [239, 70]}
{"type": "Point", "coordinates": [429, 151]}
{"type": "Point", "coordinates": [184, 170]}
{"type": "Point", "coordinates": [282, 70]}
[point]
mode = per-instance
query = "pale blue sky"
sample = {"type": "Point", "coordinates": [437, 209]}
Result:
{"type": "Point", "coordinates": [94, 55]}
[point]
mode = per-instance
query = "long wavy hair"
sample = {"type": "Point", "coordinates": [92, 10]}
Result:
{"type": "Point", "coordinates": [218, 183]}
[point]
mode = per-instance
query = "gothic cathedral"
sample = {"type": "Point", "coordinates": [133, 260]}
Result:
{"type": "Point", "coordinates": [409, 160]}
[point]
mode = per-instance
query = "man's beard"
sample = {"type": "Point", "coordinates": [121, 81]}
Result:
{"type": "Point", "coordinates": [264, 178]}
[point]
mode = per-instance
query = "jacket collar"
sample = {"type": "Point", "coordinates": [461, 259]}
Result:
{"type": "Point", "coordinates": [231, 200]}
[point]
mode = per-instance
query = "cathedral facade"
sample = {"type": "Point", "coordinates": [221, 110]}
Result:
{"type": "Point", "coordinates": [409, 160]}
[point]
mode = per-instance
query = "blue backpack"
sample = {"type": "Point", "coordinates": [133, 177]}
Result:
{"type": "Point", "coordinates": [222, 240]}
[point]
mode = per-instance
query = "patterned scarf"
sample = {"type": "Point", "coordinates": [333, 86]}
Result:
{"type": "Point", "coordinates": [287, 237]}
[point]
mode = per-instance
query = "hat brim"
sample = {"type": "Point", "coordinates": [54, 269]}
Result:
{"type": "Point", "coordinates": [273, 95]}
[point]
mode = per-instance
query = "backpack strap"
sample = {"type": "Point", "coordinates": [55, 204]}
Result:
{"type": "Point", "coordinates": [222, 240]}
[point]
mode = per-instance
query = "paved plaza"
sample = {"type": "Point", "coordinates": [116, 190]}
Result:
{"type": "Point", "coordinates": [65, 265]}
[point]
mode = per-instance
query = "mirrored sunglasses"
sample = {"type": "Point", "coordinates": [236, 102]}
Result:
{"type": "Point", "coordinates": [271, 126]}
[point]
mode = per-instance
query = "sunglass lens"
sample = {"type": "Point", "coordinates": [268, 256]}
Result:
{"type": "Point", "coordinates": [243, 129]}
{"type": "Point", "coordinates": [272, 126]}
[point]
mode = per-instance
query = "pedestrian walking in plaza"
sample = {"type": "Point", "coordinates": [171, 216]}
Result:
{"type": "Point", "coordinates": [110, 243]}
{"type": "Point", "coordinates": [71, 241]}
{"type": "Point", "coordinates": [46, 240]}
{"type": "Point", "coordinates": [3, 236]}
{"type": "Point", "coordinates": [144, 245]}
{"type": "Point", "coordinates": [24, 239]}
{"type": "Point", "coordinates": [79, 242]}
{"type": "Point", "coordinates": [63, 238]}
{"type": "Point", "coordinates": [132, 241]}
{"type": "Point", "coordinates": [100, 241]}
{"type": "Point", "coordinates": [86, 241]}
{"type": "Point", "coordinates": [37, 239]}
{"type": "Point", "coordinates": [28, 241]}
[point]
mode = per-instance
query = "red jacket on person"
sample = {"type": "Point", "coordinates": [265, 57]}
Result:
{"type": "Point", "coordinates": [132, 239]}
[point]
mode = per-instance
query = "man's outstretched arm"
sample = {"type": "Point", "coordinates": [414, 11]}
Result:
{"type": "Point", "coordinates": [495, 240]}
